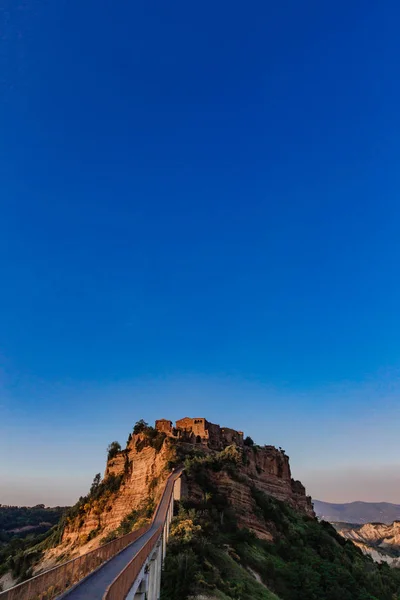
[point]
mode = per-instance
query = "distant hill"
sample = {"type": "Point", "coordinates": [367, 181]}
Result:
{"type": "Point", "coordinates": [357, 512]}
{"type": "Point", "coordinates": [381, 542]}
{"type": "Point", "coordinates": [21, 529]}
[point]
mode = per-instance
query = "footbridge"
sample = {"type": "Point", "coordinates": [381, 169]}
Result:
{"type": "Point", "coordinates": [126, 568]}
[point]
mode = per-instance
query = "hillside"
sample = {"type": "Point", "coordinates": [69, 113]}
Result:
{"type": "Point", "coordinates": [135, 475]}
{"type": "Point", "coordinates": [287, 555]}
{"type": "Point", "coordinates": [21, 529]}
{"type": "Point", "coordinates": [19, 521]}
{"type": "Point", "coordinates": [357, 512]}
{"type": "Point", "coordinates": [243, 530]}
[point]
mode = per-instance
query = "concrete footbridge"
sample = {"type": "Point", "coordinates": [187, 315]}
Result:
{"type": "Point", "coordinates": [126, 568]}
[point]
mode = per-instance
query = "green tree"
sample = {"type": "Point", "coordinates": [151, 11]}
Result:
{"type": "Point", "coordinates": [248, 441]}
{"type": "Point", "coordinates": [140, 426]}
{"type": "Point", "coordinates": [95, 484]}
{"type": "Point", "coordinates": [113, 449]}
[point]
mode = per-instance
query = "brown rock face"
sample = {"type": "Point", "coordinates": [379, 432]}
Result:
{"type": "Point", "coordinates": [265, 468]}
{"type": "Point", "coordinates": [200, 431]}
{"type": "Point", "coordinates": [379, 540]}
{"type": "Point", "coordinates": [239, 498]}
{"type": "Point", "coordinates": [142, 469]}
{"type": "Point", "coordinates": [269, 469]}
{"type": "Point", "coordinates": [144, 472]}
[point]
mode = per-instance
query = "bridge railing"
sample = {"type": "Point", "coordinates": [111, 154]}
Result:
{"type": "Point", "coordinates": [123, 583]}
{"type": "Point", "coordinates": [52, 583]}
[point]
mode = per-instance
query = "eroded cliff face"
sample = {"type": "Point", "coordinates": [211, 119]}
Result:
{"type": "Point", "coordinates": [384, 535]}
{"type": "Point", "coordinates": [266, 469]}
{"type": "Point", "coordinates": [142, 471]}
{"type": "Point", "coordinates": [134, 479]}
{"type": "Point", "coordinates": [269, 469]}
{"type": "Point", "coordinates": [380, 541]}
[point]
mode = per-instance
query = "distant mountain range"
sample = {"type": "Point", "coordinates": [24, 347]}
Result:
{"type": "Point", "coordinates": [357, 512]}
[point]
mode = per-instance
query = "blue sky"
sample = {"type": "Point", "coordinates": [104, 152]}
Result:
{"type": "Point", "coordinates": [199, 215]}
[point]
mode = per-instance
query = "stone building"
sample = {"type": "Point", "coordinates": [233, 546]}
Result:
{"type": "Point", "coordinates": [200, 431]}
{"type": "Point", "coordinates": [231, 436]}
{"type": "Point", "coordinates": [164, 425]}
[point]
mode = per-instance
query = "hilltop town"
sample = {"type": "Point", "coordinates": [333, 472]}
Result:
{"type": "Point", "coordinates": [200, 431]}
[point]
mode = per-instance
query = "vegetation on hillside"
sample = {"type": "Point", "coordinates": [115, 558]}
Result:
{"type": "Point", "coordinates": [23, 531]}
{"type": "Point", "coordinates": [134, 520]}
{"type": "Point", "coordinates": [209, 555]}
{"type": "Point", "coordinates": [18, 517]}
{"type": "Point", "coordinates": [248, 441]}
{"type": "Point", "coordinates": [113, 449]}
{"type": "Point", "coordinates": [151, 437]}
{"type": "Point", "coordinates": [96, 501]}
{"type": "Point", "coordinates": [101, 492]}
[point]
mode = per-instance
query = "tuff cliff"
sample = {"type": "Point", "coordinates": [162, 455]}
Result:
{"type": "Point", "coordinates": [243, 529]}
{"type": "Point", "coordinates": [143, 474]}
{"type": "Point", "coordinates": [266, 467]}
{"type": "Point", "coordinates": [123, 500]}
{"type": "Point", "coordinates": [231, 540]}
{"type": "Point", "coordinates": [134, 478]}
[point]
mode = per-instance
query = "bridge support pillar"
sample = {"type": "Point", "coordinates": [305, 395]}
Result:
{"type": "Point", "coordinates": [164, 541]}
{"type": "Point", "coordinates": [159, 571]}
{"type": "Point", "coordinates": [152, 574]}
{"type": "Point", "coordinates": [155, 567]}
{"type": "Point", "coordinates": [143, 589]}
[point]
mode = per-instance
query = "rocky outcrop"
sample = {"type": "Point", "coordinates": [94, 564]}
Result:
{"type": "Point", "coordinates": [264, 468]}
{"type": "Point", "coordinates": [379, 540]}
{"type": "Point", "coordinates": [141, 470]}
{"type": "Point", "coordinates": [198, 430]}
{"type": "Point", "coordinates": [269, 469]}
{"type": "Point", "coordinates": [386, 536]}
{"type": "Point", "coordinates": [134, 478]}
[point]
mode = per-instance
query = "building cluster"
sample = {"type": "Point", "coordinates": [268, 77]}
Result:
{"type": "Point", "coordinates": [201, 431]}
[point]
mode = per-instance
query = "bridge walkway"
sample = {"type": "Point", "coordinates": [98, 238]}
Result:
{"type": "Point", "coordinates": [94, 585]}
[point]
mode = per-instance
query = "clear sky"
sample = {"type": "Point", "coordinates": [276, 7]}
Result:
{"type": "Point", "coordinates": [199, 215]}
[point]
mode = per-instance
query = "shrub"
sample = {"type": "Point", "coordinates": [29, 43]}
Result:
{"type": "Point", "coordinates": [307, 560]}
{"type": "Point", "coordinates": [180, 571]}
{"type": "Point", "coordinates": [95, 484]}
{"type": "Point", "coordinates": [92, 534]}
{"type": "Point", "coordinates": [157, 441]}
{"type": "Point", "coordinates": [140, 426]}
{"type": "Point", "coordinates": [145, 511]}
{"type": "Point", "coordinates": [230, 454]}
{"type": "Point", "coordinates": [248, 441]}
{"type": "Point", "coordinates": [153, 484]}
{"type": "Point", "coordinates": [112, 535]}
{"type": "Point", "coordinates": [152, 437]}
{"type": "Point", "coordinates": [140, 444]}
{"type": "Point", "coordinates": [113, 450]}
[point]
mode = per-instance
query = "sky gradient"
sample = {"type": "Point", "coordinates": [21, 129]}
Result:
{"type": "Point", "coordinates": [199, 215]}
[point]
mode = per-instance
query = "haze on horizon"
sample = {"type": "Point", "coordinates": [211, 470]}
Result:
{"type": "Point", "coordinates": [199, 216]}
